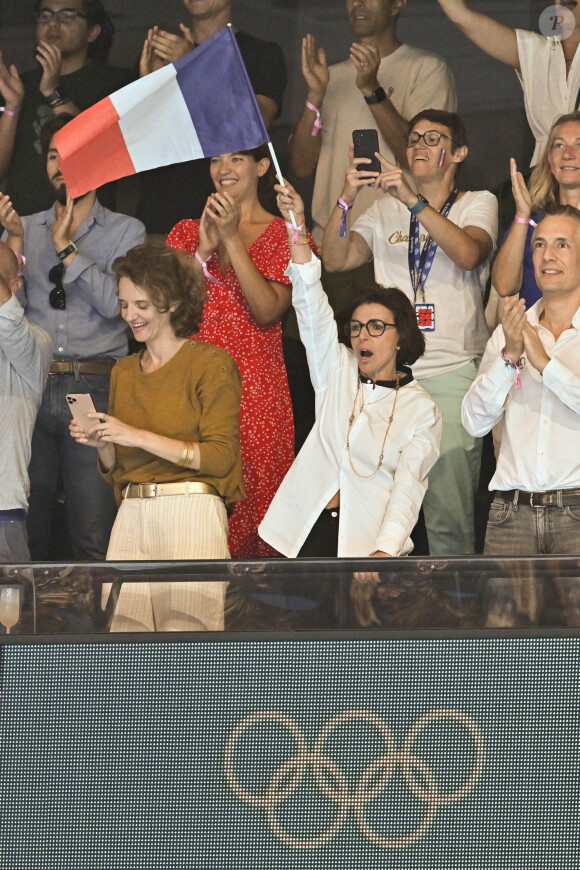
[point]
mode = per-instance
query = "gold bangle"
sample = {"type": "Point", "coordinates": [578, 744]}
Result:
{"type": "Point", "coordinates": [184, 452]}
{"type": "Point", "coordinates": [295, 245]}
{"type": "Point", "coordinates": [187, 454]}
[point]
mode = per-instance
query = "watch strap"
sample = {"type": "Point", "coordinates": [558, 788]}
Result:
{"type": "Point", "coordinates": [377, 96]}
{"type": "Point", "coordinates": [70, 249]}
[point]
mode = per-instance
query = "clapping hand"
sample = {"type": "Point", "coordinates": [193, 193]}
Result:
{"type": "Point", "coordinates": [520, 192]}
{"type": "Point", "coordinates": [314, 70]}
{"type": "Point", "coordinates": [11, 86]}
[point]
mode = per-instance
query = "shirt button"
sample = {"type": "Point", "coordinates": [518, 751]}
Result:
{"type": "Point", "coordinates": [61, 349]}
{"type": "Point", "coordinates": [61, 326]}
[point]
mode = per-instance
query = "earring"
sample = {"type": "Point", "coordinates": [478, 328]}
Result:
{"type": "Point", "coordinates": [398, 347]}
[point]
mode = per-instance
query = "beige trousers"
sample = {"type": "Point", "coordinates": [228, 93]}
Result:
{"type": "Point", "coordinates": [169, 528]}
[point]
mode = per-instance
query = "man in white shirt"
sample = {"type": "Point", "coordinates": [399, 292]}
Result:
{"type": "Point", "coordinates": [530, 378]}
{"type": "Point", "coordinates": [382, 84]}
{"type": "Point", "coordinates": [25, 356]}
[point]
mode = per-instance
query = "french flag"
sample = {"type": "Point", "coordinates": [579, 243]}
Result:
{"type": "Point", "coordinates": [199, 106]}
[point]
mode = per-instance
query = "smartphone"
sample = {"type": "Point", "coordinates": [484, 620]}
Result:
{"type": "Point", "coordinates": [80, 405]}
{"type": "Point", "coordinates": [366, 142]}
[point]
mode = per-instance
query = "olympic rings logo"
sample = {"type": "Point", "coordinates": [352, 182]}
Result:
{"type": "Point", "coordinates": [373, 781]}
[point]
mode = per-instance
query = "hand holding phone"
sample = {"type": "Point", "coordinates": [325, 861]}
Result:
{"type": "Point", "coordinates": [366, 143]}
{"type": "Point", "coordinates": [80, 405]}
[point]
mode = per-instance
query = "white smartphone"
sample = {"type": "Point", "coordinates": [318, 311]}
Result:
{"type": "Point", "coordinates": [80, 405]}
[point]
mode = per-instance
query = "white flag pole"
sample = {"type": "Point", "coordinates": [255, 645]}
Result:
{"type": "Point", "coordinates": [281, 180]}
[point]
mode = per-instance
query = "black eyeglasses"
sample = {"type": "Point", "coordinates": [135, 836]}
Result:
{"type": "Point", "coordinates": [374, 327]}
{"type": "Point", "coordinates": [57, 296]}
{"type": "Point", "coordinates": [63, 16]}
{"type": "Point", "coordinates": [429, 137]}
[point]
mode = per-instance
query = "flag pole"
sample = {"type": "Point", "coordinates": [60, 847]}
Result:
{"type": "Point", "coordinates": [281, 180]}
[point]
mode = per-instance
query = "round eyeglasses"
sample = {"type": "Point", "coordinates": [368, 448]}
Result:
{"type": "Point", "coordinates": [63, 16]}
{"type": "Point", "coordinates": [374, 328]}
{"type": "Point", "coordinates": [429, 137]}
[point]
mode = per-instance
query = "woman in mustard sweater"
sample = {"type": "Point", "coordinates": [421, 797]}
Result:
{"type": "Point", "coordinates": [170, 442]}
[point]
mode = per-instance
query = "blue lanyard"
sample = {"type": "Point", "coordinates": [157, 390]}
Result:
{"type": "Point", "coordinates": [421, 259]}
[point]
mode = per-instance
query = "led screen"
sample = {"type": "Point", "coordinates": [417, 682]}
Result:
{"type": "Point", "coordinates": [284, 754]}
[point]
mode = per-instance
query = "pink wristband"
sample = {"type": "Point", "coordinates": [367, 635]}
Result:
{"type": "Point", "coordinates": [518, 366]}
{"type": "Point", "coordinates": [296, 233]}
{"type": "Point", "coordinates": [206, 272]}
{"type": "Point", "coordinates": [521, 220]}
{"type": "Point", "coordinates": [21, 263]}
{"type": "Point", "coordinates": [317, 122]}
{"type": "Point", "coordinates": [10, 112]}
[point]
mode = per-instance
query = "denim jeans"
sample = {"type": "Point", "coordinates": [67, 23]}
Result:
{"type": "Point", "coordinates": [90, 504]}
{"type": "Point", "coordinates": [518, 529]}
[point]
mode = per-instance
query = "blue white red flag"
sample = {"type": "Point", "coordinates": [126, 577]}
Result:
{"type": "Point", "coordinates": [199, 106]}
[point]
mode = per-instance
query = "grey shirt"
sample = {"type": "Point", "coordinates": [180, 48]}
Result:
{"type": "Point", "coordinates": [25, 357]}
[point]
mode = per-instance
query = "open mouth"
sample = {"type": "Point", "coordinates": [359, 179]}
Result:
{"type": "Point", "coordinates": [365, 354]}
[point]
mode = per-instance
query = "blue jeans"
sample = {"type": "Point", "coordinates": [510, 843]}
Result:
{"type": "Point", "coordinates": [90, 504]}
{"type": "Point", "coordinates": [515, 528]}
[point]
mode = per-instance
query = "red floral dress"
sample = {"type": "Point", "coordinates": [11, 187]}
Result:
{"type": "Point", "coordinates": [266, 422]}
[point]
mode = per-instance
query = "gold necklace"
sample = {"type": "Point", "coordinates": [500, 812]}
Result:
{"type": "Point", "coordinates": [351, 421]}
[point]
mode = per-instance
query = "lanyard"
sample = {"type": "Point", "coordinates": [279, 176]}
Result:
{"type": "Point", "coordinates": [421, 259]}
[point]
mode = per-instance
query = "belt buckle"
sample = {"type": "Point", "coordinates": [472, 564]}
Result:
{"type": "Point", "coordinates": [532, 501]}
{"type": "Point", "coordinates": [147, 490]}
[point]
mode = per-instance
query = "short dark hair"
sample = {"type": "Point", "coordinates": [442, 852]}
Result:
{"type": "Point", "coordinates": [450, 120]}
{"type": "Point", "coordinates": [566, 211]}
{"type": "Point", "coordinates": [411, 339]}
{"type": "Point", "coordinates": [52, 126]}
{"type": "Point", "coordinates": [96, 14]}
{"type": "Point", "coordinates": [169, 278]}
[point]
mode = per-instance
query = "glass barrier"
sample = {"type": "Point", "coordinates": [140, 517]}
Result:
{"type": "Point", "coordinates": [296, 595]}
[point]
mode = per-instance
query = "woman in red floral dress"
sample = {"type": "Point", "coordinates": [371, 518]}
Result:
{"type": "Point", "coordinates": [245, 254]}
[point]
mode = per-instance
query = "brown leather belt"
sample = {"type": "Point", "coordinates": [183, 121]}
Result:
{"type": "Point", "coordinates": [153, 490]}
{"type": "Point", "coordinates": [549, 498]}
{"type": "Point", "coordinates": [100, 365]}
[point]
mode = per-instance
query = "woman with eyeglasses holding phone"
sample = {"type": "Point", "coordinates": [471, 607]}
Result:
{"type": "Point", "coordinates": [435, 244]}
{"type": "Point", "coordinates": [356, 487]}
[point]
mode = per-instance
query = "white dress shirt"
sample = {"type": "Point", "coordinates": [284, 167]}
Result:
{"type": "Point", "coordinates": [377, 512]}
{"type": "Point", "coordinates": [541, 422]}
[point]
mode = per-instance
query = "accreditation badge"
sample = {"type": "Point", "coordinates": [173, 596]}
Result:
{"type": "Point", "coordinates": [425, 312]}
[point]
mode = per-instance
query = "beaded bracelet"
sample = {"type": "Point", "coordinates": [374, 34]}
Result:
{"type": "Point", "coordinates": [345, 206]}
{"type": "Point", "coordinates": [10, 112]}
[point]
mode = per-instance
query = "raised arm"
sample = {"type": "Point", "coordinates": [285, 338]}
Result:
{"type": "Point", "coordinates": [342, 250]}
{"type": "Point", "coordinates": [508, 270]}
{"type": "Point", "coordinates": [468, 246]}
{"type": "Point", "coordinates": [304, 147]}
{"type": "Point", "coordinates": [12, 92]}
{"type": "Point", "coordinates": [366, 59]}
{"type": "Point", "coordinates": [268, 300]}
{"type": "Point", "coordinates": [494, 38]}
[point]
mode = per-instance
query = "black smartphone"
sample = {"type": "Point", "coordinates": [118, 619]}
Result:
{"type": "Point", "coordinates": [366, 142]}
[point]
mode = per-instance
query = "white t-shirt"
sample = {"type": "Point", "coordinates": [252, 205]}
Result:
{"type": "Point", "coordinates": [547, 92]}
{"type": "Point", "coordinates": [461, 332]}
{"type": "Point", "coordinates": [415, 78]}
